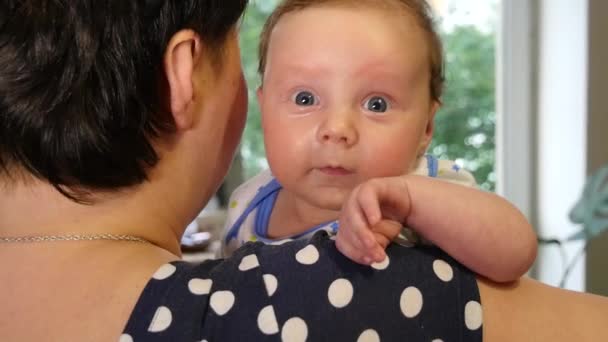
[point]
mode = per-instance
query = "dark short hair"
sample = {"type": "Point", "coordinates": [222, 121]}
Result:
{"type": "Point", "coordinates": [79, 85]}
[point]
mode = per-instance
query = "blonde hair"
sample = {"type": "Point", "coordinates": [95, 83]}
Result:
{"type": "Point", "coordinates": [420, 9]}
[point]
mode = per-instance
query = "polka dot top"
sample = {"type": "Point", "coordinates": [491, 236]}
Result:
{"type": "Point", "coordinates": [308, 291]}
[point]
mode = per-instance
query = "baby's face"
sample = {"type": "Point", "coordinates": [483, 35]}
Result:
{"type": "Point", "coordinates": [345, 98]}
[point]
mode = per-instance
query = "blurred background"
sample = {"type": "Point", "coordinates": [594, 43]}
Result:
{"type": "Point", "coordinates": [523, 111]}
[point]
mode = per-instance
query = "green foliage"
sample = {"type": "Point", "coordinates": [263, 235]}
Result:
{"type": "Point", "coordinates": [464, 127]}
{"type": "Point", "coordinates": [252, 146]}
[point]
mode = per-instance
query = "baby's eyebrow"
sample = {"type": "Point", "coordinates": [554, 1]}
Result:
{"type": "Point", "coordinates": [382, 68]}
{"type": "Point", "coordinates": [290, 74]}
{"type": "Point", "coordinates": [402, 76]}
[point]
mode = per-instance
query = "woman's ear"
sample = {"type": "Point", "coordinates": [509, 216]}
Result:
{"type": "Point", "coordinates": [180, 59]}
{"type": "Point", "coordinates": [427, 135]}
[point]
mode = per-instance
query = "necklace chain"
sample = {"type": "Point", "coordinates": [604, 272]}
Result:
{"type": "Point", "coordinates": [72, 237]}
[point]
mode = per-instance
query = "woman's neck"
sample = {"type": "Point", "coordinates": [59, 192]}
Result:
{"type": "Point", "coordinates": [35, 208]}
{"type": "Point", "coordinates": [70, 277]}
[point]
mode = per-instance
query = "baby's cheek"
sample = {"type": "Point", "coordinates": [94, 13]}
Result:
{"type": "Point", "coordinates": [387, 161]}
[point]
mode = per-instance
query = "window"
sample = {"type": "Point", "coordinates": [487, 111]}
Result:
{"type": "Point", "coordinates": [465, 125]}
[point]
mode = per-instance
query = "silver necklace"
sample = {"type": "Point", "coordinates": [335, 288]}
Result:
{"type": "Point", "coordinates": [72, 237]}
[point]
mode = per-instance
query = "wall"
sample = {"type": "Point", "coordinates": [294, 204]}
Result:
{"type": "Point", "coordinates": [561, 131]}
{"type": "Point", "coordinates": [597, 132]}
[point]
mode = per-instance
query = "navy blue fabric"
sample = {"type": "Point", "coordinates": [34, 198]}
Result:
{"type": "Point", "coordinates": [302, 292]}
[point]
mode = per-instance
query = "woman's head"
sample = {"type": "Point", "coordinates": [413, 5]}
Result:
{"type": "Point", "coordinates": [83, 94]}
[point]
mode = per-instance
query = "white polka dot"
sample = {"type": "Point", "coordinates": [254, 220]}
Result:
{"type": "Point", "coordinates": [382, 265]}
{"type": "Point", "coordinates": [200, 286]}
{"type": "Point", "coordinates": [308, 255]}
{"type": "Point", "coordinates": [369, 335]}
{"type": "Point", "coordinates": [267, 321]}
{"type": "Point", "coordinates": [221, 302]}
{"type": "Point", "coordinates": [125, 338]}
{"type": "Point", "coordinates": [473, 315]}
{"type": "Point", "coordinates": [411, 302]}
{"type": "Point", "coordinates": [294, 330]}
{"type": "Point", "coordinates": [271, 283]}
{"type": "Point", "coordinates": [340, 293]}
{"type": "Point", "coordinates": [443, 270]}
{"type": "Point", "coordinates": [161, 320]}
{"type": "Point", "coordinates": [249, 262]}
{"type": "Point", "coordinates": [164, 272]}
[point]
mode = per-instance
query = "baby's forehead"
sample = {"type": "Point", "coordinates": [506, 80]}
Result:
{"type": "Point", "coordinates": [393, 29]}
{"type": "Point", "coordinates": [385, 8]}
{"type": "Point", "coordinates": [304, 48]}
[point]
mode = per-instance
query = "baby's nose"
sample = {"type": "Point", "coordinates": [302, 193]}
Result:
{"type": "Point", "coordinates": [340, 129]}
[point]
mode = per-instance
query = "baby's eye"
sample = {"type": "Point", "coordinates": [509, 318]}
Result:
{"type": "Point", "coordinates": [305, 98]}
{"type": "Point", "coordinates": [376, 104]}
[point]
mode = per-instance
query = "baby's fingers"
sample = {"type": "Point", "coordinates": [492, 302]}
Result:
{"type": "Point", "coordinates": [351, 250]}
{"type": "Point", "coordinates": [367, 198]}
{"type": "Point", "coordinates": [387, 228]}
{"type": "Point", "coordinates": [354, 224]}
{"type": "Point", "coordinates": [382, 240]}
{"type": "Point", "coordinates": [348, 241]}
{"type": "Point", "coordinates": [352, 247]}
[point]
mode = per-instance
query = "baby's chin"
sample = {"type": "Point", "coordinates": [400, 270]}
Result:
{"type": "Point", "coordinates": [331, 199]}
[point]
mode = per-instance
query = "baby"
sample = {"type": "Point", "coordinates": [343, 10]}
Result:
{"type": "Point", "coordinates": [348, 97]}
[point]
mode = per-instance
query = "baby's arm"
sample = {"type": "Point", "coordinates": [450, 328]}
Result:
{"type": "Point", "coordinates": [480, 229]}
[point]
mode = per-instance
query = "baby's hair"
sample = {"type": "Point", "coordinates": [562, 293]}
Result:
{"type": "Point", "coordinates": [420, 9]}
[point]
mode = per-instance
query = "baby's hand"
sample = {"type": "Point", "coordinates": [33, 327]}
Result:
{"type": "Point", "coordinates": [371, 218]}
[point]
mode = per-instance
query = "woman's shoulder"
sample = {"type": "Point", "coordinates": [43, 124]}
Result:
{"type": "Point", "coordinates": [185, 301]}
{"type": "Point", "coordinates": [307, 290]}
{"type": "Point", "coordinates": [167, 308]}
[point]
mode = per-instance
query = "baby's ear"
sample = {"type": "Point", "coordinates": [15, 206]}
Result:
{"type": "Point", "coordinates": [260, 95]}
{"type": "Point", "coordinates": [427, 135]}
{"type": "Point", "coordinates": [435, 105]}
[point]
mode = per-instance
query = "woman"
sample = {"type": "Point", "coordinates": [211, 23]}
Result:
{"type": "Point", "coordinates": [118, 121]}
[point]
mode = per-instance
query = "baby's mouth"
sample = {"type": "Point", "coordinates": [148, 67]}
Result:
{"type": "Point", "coordinates": [335, 171]}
